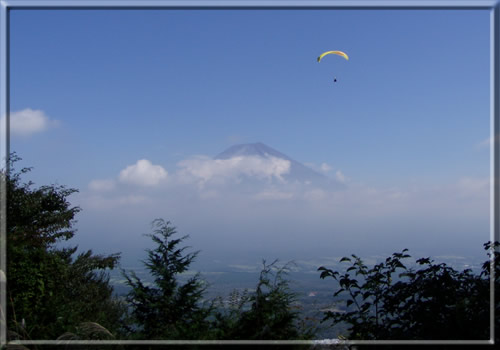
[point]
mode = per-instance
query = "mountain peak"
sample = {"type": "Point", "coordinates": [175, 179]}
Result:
{"type": "Point", "coordinates": [298, 171]}
{"type": "Point", "coordinates": [251, 149]}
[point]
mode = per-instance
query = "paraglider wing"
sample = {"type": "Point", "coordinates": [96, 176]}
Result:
{"type": "Point", "coordinates": [340, 53]}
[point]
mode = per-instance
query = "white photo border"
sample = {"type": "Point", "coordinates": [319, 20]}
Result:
{"type": "Point", "coordinates": [493, 5]}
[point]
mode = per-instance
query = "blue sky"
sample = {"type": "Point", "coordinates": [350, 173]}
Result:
{"type": "Point", "coordinates": [409, 115]}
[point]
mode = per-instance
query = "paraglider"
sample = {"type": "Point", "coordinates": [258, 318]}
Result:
{"type": "Point", "coordinates": [339, 53]}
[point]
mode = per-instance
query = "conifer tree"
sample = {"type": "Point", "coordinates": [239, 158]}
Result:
{"type": "Point", "coordinates": [170, 308]}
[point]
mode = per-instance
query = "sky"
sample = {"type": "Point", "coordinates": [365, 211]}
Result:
{"type": "Point", "coordinates": [131, 106]}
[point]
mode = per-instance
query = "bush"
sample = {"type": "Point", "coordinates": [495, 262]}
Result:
{"type": "Point", "coordinates": [391, 301]}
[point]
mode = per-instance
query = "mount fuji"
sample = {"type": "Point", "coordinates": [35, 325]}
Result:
{"type": "Point", "coordinates": [297, 172]}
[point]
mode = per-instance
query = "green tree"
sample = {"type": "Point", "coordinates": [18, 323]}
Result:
{"type": "Point", "coordinates": [269, 313]}
{"type": "Point", "coordinates": [431, 302]}
{"type": "Point", "coordinates": [49, 291]}
{"type": "Point", "coordinates": [169, 309]}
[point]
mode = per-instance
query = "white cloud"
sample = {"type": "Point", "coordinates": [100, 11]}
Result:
{"type": "Point", "coordinates": [143, 173]}
{"type": "Point", "coordinates": [300, 215]}
{"type": "Point", "coordinates": [340, 177]}
{"type": "Point", "coordinates": [204, 169]}
{"type": "Point", "coordinates": [28, 122]}
{"type": "Point", "coordinates": [325, 167]}
{"type": "Point", "coordinates": [286, 209]}
{"type": "Point", "coordinates": [102, 185]}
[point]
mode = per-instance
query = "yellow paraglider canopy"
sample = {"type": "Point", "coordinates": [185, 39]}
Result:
{"type": "Point", "coordinates": [340, 53]}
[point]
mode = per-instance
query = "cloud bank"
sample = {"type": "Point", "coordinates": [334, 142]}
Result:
{"type": "Point", "coordinates": [203, 170]}
{"type": "Point", "coordinates": [143, 173]}
{"type": "Point", "coordinates": [243, 181]}
{"type": "Point", "coordinates": [244, 201]}
{"type": "Point", "coordinates": [28, 122]}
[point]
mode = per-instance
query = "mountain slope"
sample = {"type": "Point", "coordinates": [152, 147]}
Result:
{"type": "Point", "coordinates": [298, 172]}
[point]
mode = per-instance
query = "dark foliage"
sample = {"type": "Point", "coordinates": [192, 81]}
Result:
{"type": "Point", "coordinates": [169, 309]}
{"type": "Point", "coordinates": [431, 302]}
{"type": "Point", "coordinates": [269, 313]}
{"type": "Point", "coordinates": [49, 291]}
